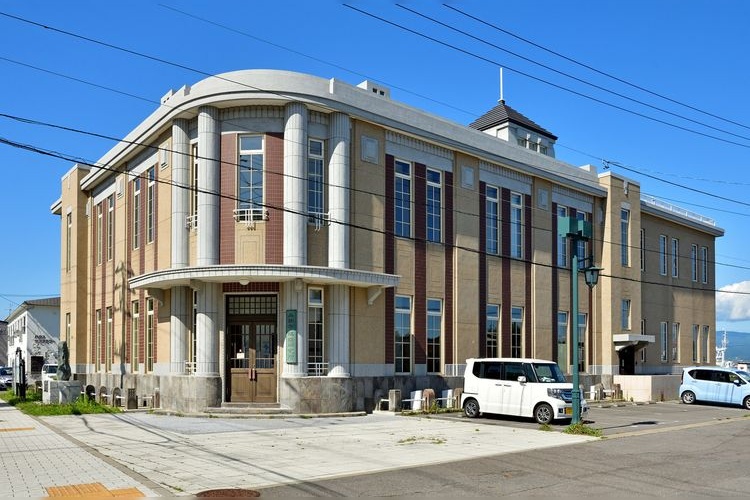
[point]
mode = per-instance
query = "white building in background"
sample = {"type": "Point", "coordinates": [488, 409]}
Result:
{"type": "Point", "coordinates": [34, 327]}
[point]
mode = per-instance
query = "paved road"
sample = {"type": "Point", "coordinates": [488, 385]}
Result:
{"type": "Point", "coordinates": [378, 454]}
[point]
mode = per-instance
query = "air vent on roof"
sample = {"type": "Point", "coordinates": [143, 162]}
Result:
{"type": "Point", "coordinates": [376, 89]}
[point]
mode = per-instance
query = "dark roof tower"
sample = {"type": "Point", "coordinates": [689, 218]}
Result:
{"type": "Point", "coordinates": [501, 114]}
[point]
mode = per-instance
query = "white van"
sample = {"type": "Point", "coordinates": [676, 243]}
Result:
{"type": "Point", "coordinates": [517, 386]}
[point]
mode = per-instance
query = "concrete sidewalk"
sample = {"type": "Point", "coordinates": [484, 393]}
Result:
{"type": "Point", "coordinates": [170, 456]}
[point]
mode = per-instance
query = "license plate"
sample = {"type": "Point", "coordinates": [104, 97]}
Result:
{"type": "Point", "coordinates": [568, 411]}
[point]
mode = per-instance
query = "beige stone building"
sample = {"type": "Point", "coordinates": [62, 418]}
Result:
{"type": "Point", "coordinates": [278, 239]}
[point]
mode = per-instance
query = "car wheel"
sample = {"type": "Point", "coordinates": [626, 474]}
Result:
{"type": "Point", "coordinates": [543, 414]}
{"type": "Point", "coordinates": [746, 403]}
{"type": "Point", "coordinates": [471, 408]}
{"type": "Point", "coordinates": [688, 397]}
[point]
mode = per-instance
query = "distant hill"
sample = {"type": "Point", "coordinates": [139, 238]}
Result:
{"type": "Point", "coordinates": [738, 345]}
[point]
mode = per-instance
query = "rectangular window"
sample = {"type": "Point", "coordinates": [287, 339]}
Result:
{"type": "Point", "coordinates": [315, 341]}
{"type": "Point", "coordinates": [694, 262]}
{"type": "Point", "coordinates": [109, 340]}
{"type": "Point", "coordinates": [315, 179]}
{"type": "Point", "coordinates": [68, 240]}
{"type": "Point", "coordinates": [582, 328]}
{"type": "Point", "coordinates": [434, 334]}
{"type": "Point", "coordinates": [675, 258]}
{"type": "Point", "coordinates": [625, 237]}
{"type": "Point", "coordinates": [675, 341]}
{"type": "Point", "coordinates": [663, 340]}
{"type": "Point", "coordinates": [110, 226]}
{"type": "Point", "coordinates": [643, 250]}
{"type": "Point", "coordinates": [492, 216]}
{"type": "Point", "coordinates": [662, 255]}
{"type": "Point", "coordinates": [150, 335]}
{"type": "Point", "coordinates": [704, 265]}
{"type": "Point", "coordinates": [562, 339]}
{"type": "Point", "coordinates": [135, 326]}
{"type": "Point", "coordinates": [194, 184]}
{"type": "Point", "coordinates": [521, 142]}
{"type": "Point", "coordinates": [193, 337]}
{"type": "Point", "coordinates": [643, 332]}
{"type": "Point", "coordinates": [250, 206]}
{"type": "Point", "coordinates": [402, 334]}
{"type": "Point", "coordinates": [625, 314]}
{"type": "Point", "coordinates": [150, 204]}
{"type": "Point", "coordinates": [99, 233]}
{"type": "Point", "coordinates": [695, 343]}
{"type": "Point", "coordinates": [402, 199]}
{"type": "Point", "coordinates": [516, 331]}
{"type": "Point", "coordinates": [492, 329]}
{"type": "Point", "coordinates": [434, 205]}
{"type": "Point", "coordinates": [98, 341]}
{"type": "Point", "coordinates": [67, 328]}
{"type": "Point", "coordinates": [704, 346]}
{"type": "Point", "coordinates": [582, 245]}
{"type": "Point", "coordinates": [516, 225]}
{"type": "Point", "coordinates": [136, 212]}
{"type": "Point", "coordinates": [562, 239]}
{"type": "Point", "coordinates": [543, 149]}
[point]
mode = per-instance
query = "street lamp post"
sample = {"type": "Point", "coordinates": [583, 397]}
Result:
{"type": "Point", "coordinates": [577, 230]}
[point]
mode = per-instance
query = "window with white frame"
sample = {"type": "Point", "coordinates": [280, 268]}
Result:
{"type": "Point", "coordinates": [675, 258]}
{"type": "Point", "coordinates": [150, 204]}
{"type": "Point", "coordinates": [562, 339]}
{"type": "Point", "coordinates": [704, 265]}
{"type": "Point", "coordinates": [516, 332]}
{"type": "Point", "coordinates": [434, 204]}
{"type": "Point", "coordinates": [402, 334]}
{"type": "Point", "coordinates": [625, 314]}
{"type": "Point", "coordinates": [402, 199]}
{"type": "Point", "coordinates": [663, 340]}
{"type": "Point", "coordinates": [98, 341]}
{"type": "Point", "coordinates": [110, 226]}
{"type": "Point", "coordinates": [492, 220]}
{"type": "Point", "coordinates": [68, 240]}
{"type": "Point", "coordinates": [662, 255]}
{"type": "Point", "coordinates": [704, 346]}
{"type": "Point", "coordinates": [643, 249]}
{"type": "Point", "coordinates": [492, 329]}
{"type": "Point", "coordinates": [135, 327]}
{"type": "Point", "coordinates": [99, 233]}
{"type": "Point", "coordinates": [315, 179]}
{"type": "Point", "coordinates": [582, 328]}
{"type": "Point", "coordinates": [516, 225]}
{"type": "Point", "coordinates": [562, 239]}
{"type": "Point", "coordinates": [193, 336]}
{"type": "Point", "coordinates": [108, 341]}
{"type": "Point", "coordinates": [250, 206]}
{"type": "Point", "coordinates": [136, 212]}
{"type": "Point", "coordinates": [695, 343]}
{"type": "Point", "coordinates": [194, 183]}
{"type": "Point", "coordinates": [67, 328]}
{"type": "Point", "coordinates": [150, 334]}
{"type": "Point", "coordinates": [581, 244]}
{"type": "Point", "coordinates": [315, 338]}
{"type": "Point", "coordinates": [643, 332]}
{"type": "Point", "coordinates": [694, 262]}
{"type": "Point", "coordinates": [434, 334]}
{"type": "Point", "coordinates": [675, 341]}
{"type": "Point", "coordinates": [625, 237]}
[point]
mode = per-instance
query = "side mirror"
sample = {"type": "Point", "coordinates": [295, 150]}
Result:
{"type": "Point", "coordinates": [737, 382]}
{"type": "Point", "coordinates": [522, 379]}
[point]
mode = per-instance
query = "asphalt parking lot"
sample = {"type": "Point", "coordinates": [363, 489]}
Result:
{"type": "Point", "coordinates": [617, 419]}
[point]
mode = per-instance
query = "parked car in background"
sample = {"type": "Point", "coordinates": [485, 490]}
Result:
{"type": "Point", "coordinates": [517, 386]}
{"type": "Point", "coordinates": [713, 384]}
{"type": "Point", "coordinates": [6, 376]}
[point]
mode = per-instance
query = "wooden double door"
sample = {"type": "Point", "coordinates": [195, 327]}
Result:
{"type": "Point", "coordinates": [251, 361]}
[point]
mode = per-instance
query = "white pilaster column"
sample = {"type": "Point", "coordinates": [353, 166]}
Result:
{"type": "Point", "coordinates": [180, 192]}
{"type": "Point", "coordinates": [295, 192]}
{"type": "Point", "coordinates": [338, 328]}
{"type": "Point", "coordinates": [209, 151]}
{"type": "Point", "coordinates": [294, 298]}
{"type": "Point", "coordinates": [207, 335]}
{"type": "Point", "coordinates": [338, 191]}
{"type": "Point", "coordinates": [181, 305]}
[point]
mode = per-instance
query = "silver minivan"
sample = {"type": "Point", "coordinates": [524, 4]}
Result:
{"type": "Point", "coordinates": [522, 387]}
{"type": "Point", "coordinates": [716, 385]}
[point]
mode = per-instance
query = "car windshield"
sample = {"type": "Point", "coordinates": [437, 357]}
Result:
{"type": "Point", "coordinates": [548, 373]}
{"type": "Point", "coordinates": [744, 375]}
{"type": "Point", "coordinates": [52, 369]}
{"type": "Point", "coordinates": [5, 371]}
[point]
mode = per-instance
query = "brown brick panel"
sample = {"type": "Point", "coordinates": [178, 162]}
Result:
{"type": "Point", "coordinates": [390, 257]}
{"type": "Point", "coordinates": [449, 252]}
{"type": "Point", "coordinates": [92, 300]}
{"type": "Point", "coordinates": [504, 340]}
{"type": "Point", "coordinates": [155, 244]}
{"type": "Point", "coordinates": [555, 291]}
{"type": "Point", "coordinates": [274, 192]}
{"type": "Point", "coordinates": [529, 323]}
{"type": "Point", "coordinates": [482, 282]}
{"type": "Point", "coordinates": [420, 263]}
{"type": "Point", "coordinates": [227, 203]}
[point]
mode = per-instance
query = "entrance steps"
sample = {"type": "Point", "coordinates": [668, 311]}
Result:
{"type": "Point", "coordinates": [259, 409]}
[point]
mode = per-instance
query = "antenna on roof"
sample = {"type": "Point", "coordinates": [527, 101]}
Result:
{"type": "Point", "coordinates": [502, 100]}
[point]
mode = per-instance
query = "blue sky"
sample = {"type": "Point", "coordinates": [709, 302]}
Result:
{"type": "Point", "coordinates": [693, 53]}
